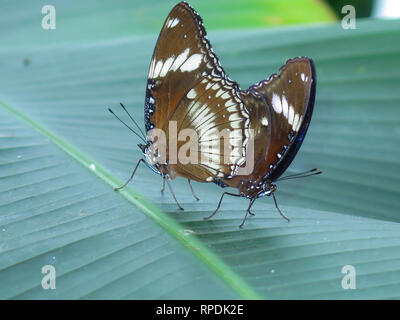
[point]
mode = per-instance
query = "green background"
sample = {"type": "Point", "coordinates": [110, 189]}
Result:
{"type": "Point", "coordinates": [55, 209]}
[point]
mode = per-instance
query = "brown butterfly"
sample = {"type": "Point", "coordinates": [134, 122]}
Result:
{"type": "Point", "coordinates": [187, 89]}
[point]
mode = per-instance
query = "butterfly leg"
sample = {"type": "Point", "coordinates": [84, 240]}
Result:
{"type": "Point", "coordinates": [251, 213]}
{"type": "Point", "coordinates": [131, 177]}
{"type": "Point", "coordinates": [191, 189]}
{"type": "Point", "coordinates": [248, 211]}
{"type": "Point", "coordinates": [163, 184]}
{"type": "Point", "coordinates": [219, 203]}
{"type": "Point", "coordinates": [280, 212]}
{"type": "Point", "coordinates": [173, 194]}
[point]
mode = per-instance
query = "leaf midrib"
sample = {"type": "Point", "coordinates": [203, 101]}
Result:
{"type": "Point", "coordinates": [188, 241]}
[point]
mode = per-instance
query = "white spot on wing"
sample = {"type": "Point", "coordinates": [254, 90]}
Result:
{"type": "Point", "coordinates": [194, 107]}
{"type": "Point", "coordinates": [180, 59]}
{"type": "Point", "coordinates": [236, 124]}
{"type": "Point", "coordinates": [152, 65]}
{"type": "Point", "coordinates": [233, 117]}
{"type": "Point", "coordinates": [225, 95]}
{"type": "Point", "coordinates": [276, 103]}
{"type": "Point", "coordinates": [191, 94]}
{"type": "Point", "coordinates": [220, 91]}
{"type": "Point", "coordinates": [173, 23]}
{"type": "Point", "coordinates": [232, 108]}
{"type": "Point", "coordinates": [295, 122]}
{"type": "Point", "coordinates": [285, 107]}
{"type": "Point", "coordinates": [264, 121]}
{"type": "Point", "coordinates": [298, 124]}
{"type": "Point", "coordinates": [229, 103]}
{"type": "Point", "coordinates": [157, 69]}
{"type": "Point", "coordinates": [216, 86]}
{"type": "Point", "coordinates": [291, 115]}
{"type": "Point", "coordinates": [209, 85]}
{"type": "Point", "coordinates": [192, 63]}
{"type": "Point", "coordinates": [166, 66]}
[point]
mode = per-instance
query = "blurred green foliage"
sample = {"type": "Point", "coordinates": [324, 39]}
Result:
{"type": "Point", "coordinates": [363, 7]}
{"type": "Point", "coordinates": [105, 19]}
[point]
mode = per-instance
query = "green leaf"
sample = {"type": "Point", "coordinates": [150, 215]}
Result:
{"type": "Point", "coordinates": [55, 212]}
{"type": "Point", "coordinates": [55, 209]}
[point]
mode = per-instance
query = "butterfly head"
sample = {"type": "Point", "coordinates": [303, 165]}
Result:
{"type": "Point", "coordinates": [150, 156]}
{"type": "Point", "coordinates": [256, 189]}
{"type": "Point", "coordinates": [154, 160]}
{"type": "Point", "coordinates": [268, 189]}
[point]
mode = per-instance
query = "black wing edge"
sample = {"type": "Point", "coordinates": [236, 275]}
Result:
{"type": "Point", "coordinates": [299, 138]}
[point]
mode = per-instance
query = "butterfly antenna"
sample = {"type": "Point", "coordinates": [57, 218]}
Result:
{"type": "Point", "coordinates": [127, 125]}
{"type": "Point", "coordinates": [137, 126]}
{"type": "Point", "coordinates": [304, 174]}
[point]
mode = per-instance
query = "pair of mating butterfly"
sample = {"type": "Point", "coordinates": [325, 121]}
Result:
{"type": "Point", "coordinates": [187, 84]}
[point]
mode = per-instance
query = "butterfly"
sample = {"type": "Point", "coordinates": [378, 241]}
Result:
{"type": "Point", "coordinates": [189, 94]}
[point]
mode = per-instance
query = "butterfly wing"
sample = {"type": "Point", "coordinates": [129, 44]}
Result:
{"type": "Point", "coordinates": [187, 85]}
{"type": "Point", "coordinates": [182, 55]}
{"type": "Point", "coordinates": [258, 145]}
{"type": "Point", "coordinates": [280, 110]}
{"type": "Point", "coordinates": [214, 110]}
{"type": "Point", "coordinates": [290, 98]}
